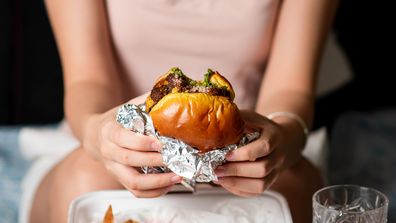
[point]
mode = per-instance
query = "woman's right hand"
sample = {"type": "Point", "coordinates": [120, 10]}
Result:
{"type": "Point", "coordinates": [123, 152]}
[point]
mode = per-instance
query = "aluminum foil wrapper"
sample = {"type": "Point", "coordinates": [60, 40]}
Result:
{"type": "Point", "coordinates": [178, 156]}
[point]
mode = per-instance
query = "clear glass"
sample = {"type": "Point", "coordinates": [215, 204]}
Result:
{"type": "Point", "coordinates": [349, 204]}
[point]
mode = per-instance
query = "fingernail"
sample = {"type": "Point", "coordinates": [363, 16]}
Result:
{"type": "Point", "coordinates": [176, 179]}
{"type": "Point", "coordinates": [218, 181]}
{"type": "Point", "coordinates": [230, 156]}
{"type": "Point", "coordinates": [157, 146]}
{"type": "Point", "coordinates": [169, 189]}
{"type": "Point", "coordinates": [220, 171]}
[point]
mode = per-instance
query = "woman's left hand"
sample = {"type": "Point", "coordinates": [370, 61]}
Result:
{"type": "Point", "coordinates": [253, 168]}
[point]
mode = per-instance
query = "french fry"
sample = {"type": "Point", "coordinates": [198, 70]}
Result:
{"type": "Point", "coordinates": [109, 217]}
{"type": "Point", "coordinates": [131, 221]}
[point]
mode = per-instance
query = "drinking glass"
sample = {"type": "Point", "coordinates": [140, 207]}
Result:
{"type": "Point", "coordinates": [349, 204]}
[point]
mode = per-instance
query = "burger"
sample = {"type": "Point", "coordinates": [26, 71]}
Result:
{"type": "Point", "coordinates": [200, 113]}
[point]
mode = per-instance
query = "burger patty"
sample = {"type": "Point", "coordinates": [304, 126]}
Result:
{"type": "Point", "coordinates": [175, 83]}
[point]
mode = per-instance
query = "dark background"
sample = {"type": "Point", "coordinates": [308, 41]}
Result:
{"type": "Point", "coordinates": [31, 88]}
{"type": "Point", "coordinates": [365, 32]}
{"type": "Point", "coordinates": [31, 78]}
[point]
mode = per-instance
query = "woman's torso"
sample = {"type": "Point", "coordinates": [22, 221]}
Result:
{"type": "Point", "coordinates": [231, 36]}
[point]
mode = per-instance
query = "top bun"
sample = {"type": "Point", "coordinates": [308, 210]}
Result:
{"type": "Point", "coordinates": [200, 113]}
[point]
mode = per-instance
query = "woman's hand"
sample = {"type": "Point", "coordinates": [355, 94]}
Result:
{"type": "Point", "coordinates": [123, 152]}
{"type": "Point", "coordinates": [253, 168]}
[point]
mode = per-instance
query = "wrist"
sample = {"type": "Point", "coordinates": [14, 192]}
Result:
{"type": "Point", "coordinates": [88, 136]}
{"type": "Point", "coordinates": [294, 129]}
{"type": "Point", "coordinates": [293, 140]}
{"type": "Point", "coordinates": [287, 119]}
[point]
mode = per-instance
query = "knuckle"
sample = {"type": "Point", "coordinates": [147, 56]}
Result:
{"type": "Point", "coordinates": [234, 170]}
{"type": "Point", "coordinates": [116, 136]}
{"type": "Point", "coordinates": [251, 155]}
{"type": "Point", "coordinates": [230, 170]}
{"type": "Point", "coordinates": [137, 194]}
{"type": "Point", "coordinates": [140, 142]}
{"type": "Point", "coordinates": [262, 186]}
{"type": "Point", "coordinates": [262, 171]}
{"type": "Point", "coordinates": [162, 182]}
{"type": "Point", "coordinates": [107, 127]}
{"type": "Point", "coordinates": [125, 158]}
{"type": "Point", "coordinates": [265, 144]}
{"type": "Point", "coordinates": [154, 160]}
{"type": "Point", "coordinates": [143, 140]}
{"type": "Point", "coordinates": [232, 182]}
{"type": "Point", "coordinates": [133, 185]}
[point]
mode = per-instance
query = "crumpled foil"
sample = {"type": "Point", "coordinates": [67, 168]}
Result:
{"type": "Point", "coordinates": [178, 157]}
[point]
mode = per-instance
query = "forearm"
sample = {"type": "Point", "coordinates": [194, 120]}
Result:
{"type": "Point", "coordinates": [295, 102]}
{"type": "Point", "coordinates": [86, 98]}
{"type": "Point", "coordinates": [92, 81]}
{"type": "Point", "coordinates": [289, 81]}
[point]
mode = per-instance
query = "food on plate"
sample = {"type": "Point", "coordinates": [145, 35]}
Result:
{"type": "Point", "coordinates": [109, 217]}
{"type": "Point", "coordinates": [200, 113]}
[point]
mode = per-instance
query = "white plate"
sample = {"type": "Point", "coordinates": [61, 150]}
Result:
{"type": "Point", "coordinates": [92, 206]}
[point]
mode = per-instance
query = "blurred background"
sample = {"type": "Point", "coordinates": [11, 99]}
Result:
{"type": "Point", "coordinates": [355, 102]}
{"type": "Point", "coordinates": [31, 75]}
{"type": "Point", "coordinates": [30, 71]}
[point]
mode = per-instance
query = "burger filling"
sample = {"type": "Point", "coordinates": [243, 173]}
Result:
{"type": "Point", "coordinates": [178, 82]}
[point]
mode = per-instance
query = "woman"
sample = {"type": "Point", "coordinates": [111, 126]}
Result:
{"type": "Point", "coordinates": [112, 51]}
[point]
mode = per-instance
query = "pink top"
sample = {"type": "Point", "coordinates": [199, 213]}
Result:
{"type": "Point", "coordinates": [231, 36]}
